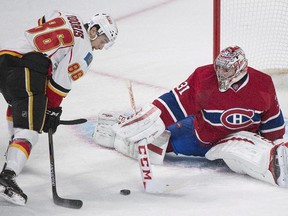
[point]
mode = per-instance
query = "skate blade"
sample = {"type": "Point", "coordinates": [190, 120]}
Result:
{"type": "Point", "coordinates": [12, 197]}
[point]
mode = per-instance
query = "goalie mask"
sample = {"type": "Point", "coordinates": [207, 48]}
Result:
{"type": "Point", "coordinates": [105, 25]}
{"type": "Point", "coordinates": [230, 66]}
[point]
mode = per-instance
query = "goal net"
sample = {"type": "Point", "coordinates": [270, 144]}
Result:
{"type": "Point", "coordinates": [260, 27]}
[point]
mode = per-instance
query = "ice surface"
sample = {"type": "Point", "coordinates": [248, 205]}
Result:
{"type": "Point", "coordinates": [160, 43]}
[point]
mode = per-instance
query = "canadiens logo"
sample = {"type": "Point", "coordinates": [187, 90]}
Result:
{"type": "Point", "coordinates": [237, 118]}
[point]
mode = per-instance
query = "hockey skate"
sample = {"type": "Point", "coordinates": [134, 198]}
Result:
{"type": "Point", "coordinates": [281, 165]}
{"type": "Point", "coordinates": [9, 189]}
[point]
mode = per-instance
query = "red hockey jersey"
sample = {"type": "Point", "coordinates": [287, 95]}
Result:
{"type": "Point", "coordinates": [249, 105]}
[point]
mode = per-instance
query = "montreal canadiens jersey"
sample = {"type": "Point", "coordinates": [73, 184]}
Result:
{"type": "Point", "coordinates": [63, 38]}
{"type": "Point", "coordinates": [249, 105]}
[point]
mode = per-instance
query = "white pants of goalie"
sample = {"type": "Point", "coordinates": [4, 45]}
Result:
{"type": "Point", "coordinates": [248, 153]}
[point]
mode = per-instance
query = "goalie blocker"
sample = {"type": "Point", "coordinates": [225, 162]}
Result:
{"type": "Point", "coordinates": [123, 133]}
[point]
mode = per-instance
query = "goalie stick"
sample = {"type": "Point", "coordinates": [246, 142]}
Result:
{"type": "Point", "coordinates": [143, 156]}
{"type": "Point", "coordinates": [68, 203]}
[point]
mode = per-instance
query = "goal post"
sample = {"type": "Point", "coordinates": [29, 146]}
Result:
{"type": "Point", "coordinates": [259, 27]}
{"type": "Point", "coordinates": [216, 27]}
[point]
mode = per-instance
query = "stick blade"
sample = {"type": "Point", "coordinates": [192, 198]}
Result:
{"type": "Point", "coordinates": [67, 203]}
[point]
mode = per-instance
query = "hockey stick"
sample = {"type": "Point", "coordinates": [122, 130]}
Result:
{"type": "Point", "coordinates": [73, 122]}
{"type": "Point", "coordinates": [68, 203]}
{"type": "Point", "coordinates": [143, 157]}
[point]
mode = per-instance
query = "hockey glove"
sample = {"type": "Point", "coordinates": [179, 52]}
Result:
{"type": "Point", "coordinates": [52, 119]}
{"type": "Point", "coordinates": [146, 125]}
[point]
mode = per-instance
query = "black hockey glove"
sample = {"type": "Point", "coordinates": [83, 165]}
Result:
{"type": "Point", "coordinates": [52, 119]}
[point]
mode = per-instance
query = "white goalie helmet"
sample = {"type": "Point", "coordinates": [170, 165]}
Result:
{"type": "Point", "coordinates": [106, 25]}
{"type": "Point", "coordinates": [230, 66]}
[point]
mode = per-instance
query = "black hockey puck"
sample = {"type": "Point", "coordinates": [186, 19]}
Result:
{"type": "Point", "coordinates": [125, 192]}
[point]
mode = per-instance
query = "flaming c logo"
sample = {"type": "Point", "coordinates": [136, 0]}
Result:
{"type": "Point", "coordinates": [237, 118]}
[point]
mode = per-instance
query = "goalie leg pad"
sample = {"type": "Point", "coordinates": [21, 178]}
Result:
{"type": "Point", "coordinates": [246, 153]}
{"type": "Point", "coordinates": [124, 133]}
{"type": "Point", "coordinates": [104, 133]}
{"type": "Point", "coordinates": [156, 149]}
{"type": "Point", "coordinates": [280, 164]}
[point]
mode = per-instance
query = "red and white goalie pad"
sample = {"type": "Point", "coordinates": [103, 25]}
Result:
{"type": "Point", "coordinates": [146, 124]}
{"type": "Point", "coordinates": [124, 132]}
{"type": "Point", "coordinates": [248, 153]}
{"type": "Point", "coordinates": [156, 149]}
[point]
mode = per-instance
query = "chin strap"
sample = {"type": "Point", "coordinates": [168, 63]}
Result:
{"type": "Point", "coordinates": [94, 38]}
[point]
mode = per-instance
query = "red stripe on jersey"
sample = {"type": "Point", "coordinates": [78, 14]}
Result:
{"type": "Point", "coordinates": [54, 99]}
{"type": "Point", "coordinates": [9, 113]}
{"type": "Point", "coordinates": [165, 115]}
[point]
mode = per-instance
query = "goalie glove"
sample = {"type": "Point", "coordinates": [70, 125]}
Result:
{"type": "Point", "coordinates": [152, 133]}
{"type": "Point", "coordinates": [103, 133]}
{"type": "Point", "coordinates": [146, 125]}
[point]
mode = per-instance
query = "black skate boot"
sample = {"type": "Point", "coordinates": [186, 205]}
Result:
{"type": "Point", "coordinates": [9, 189]}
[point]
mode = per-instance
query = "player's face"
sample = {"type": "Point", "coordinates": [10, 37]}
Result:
{"type": "Point", "coordinates": [99, 42]}
{"type": "Point", "coordinates": [224, 72]}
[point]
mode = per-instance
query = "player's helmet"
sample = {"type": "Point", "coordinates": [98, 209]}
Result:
{"type": "Point", "coordinates": [106, 25]}
{"type": "Point", "coordinates": [230, 66]}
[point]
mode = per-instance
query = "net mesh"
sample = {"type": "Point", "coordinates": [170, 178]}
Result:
{"type": "Point", "coordinates": [260, 28]}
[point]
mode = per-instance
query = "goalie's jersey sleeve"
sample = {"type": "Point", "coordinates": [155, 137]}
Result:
{"type": "Point", "coordinates": [63, 38]}
{"type": "Point", "coordinates": [250, 105]}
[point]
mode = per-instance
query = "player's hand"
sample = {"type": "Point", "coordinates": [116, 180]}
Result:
{"type": "Point", "coordinates": [52, 119]}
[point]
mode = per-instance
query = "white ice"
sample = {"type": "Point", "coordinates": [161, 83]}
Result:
{"type": "Point", "coordinates": [160, 43]}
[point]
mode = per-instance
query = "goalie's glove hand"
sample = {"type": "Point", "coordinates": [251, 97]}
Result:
{"type": "Point", "coordinates": [146, 124]}
{"type": "Point", "coordinates": [52, 119]}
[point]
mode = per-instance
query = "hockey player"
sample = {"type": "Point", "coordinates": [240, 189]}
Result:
{"type": "Point", "coordinates": [225, 110]}
{"type": "Point", "coordinates": [36, 73]}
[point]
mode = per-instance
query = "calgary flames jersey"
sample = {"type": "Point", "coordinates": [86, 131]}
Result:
{"type": "Point", "coordinates": [62, 38]}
